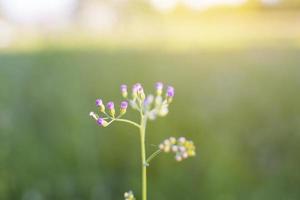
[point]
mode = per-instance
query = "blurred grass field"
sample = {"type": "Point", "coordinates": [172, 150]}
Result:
{"type": "Point", "coordinates": [238, 102]}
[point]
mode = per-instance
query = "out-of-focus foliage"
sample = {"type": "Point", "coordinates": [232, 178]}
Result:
{"type": "Point", "coordinates": [237, 97]}
{"type": "Point", "coordinates": [240, 107]}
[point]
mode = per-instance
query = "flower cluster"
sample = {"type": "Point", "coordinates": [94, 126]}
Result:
{"type": "Point", "coordinates": [111, 111]}
{"type": "Point", "coordinates": [182, 147]}
{"type": "Point", "coordinates": [129, 195]}
{"type": "Point", "coordinates": [151, 106]}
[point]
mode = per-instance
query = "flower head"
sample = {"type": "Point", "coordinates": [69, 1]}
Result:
{"type": "Point", "coordinates": [124, 90]}
{"type": "Point", "coordinates": [170, 91]}
{"type": "Point", "coordinates": [111, 107]}
{"type": "Point", "coordinates": [170, 94]}
{"type": "Point", "coordinates": [99, 104]}
{"type": "Point", "coordinates": [136, 87]}
{"type": "Point", "coordinates": [138, 92]}
{"type": "Point", "coordinates": [123, 107]}
{"type": "Point", "coordinates": [102, 122]}
{"type": "Point", "coordinates": [182, 147]}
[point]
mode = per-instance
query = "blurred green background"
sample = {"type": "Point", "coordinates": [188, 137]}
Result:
{"type": "Point", "coordinates": [236, 72]}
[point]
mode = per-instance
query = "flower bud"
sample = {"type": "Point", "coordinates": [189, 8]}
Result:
{"type": "Point", "coordinates": [141, 94]}
{"type": "Point", "coordinates": [148, 101]}
{"type": "Point", "coordinates": [167, 148]}
{"type": "Point", "coordinates": [170, 94]}
{"type": "Point", "coordinates": [174, 148]}
{"type": "Point", "coordinates": [178, 157]}
{"type": "Point", "coordinates": [182, 147]}
{"type": "Point", "coordinates": [185, 155]}
{"type": "Point", "coordinates": [102, 122]}
{"type": "Point", "coordinates": [93, 115]}
{"type": "Point", "coordinates": [161, 146]}
{"type": "Point", "coordinates": [159, 87]}
{"type": "Point", "coordinates": [124, 91]}
{"type": "Point", "coordinates": [135, 90]}
{"type": "Point", "coordinates": [99, 104]}
{"type": "Point", "coordinates": [123, 107]}
{"type": "Point", "coordinates": [111, 108]}
{"type": "Point", "coordinates": [172, 140]}
{"type": "Point", "coordinates": [181, 139]}
{"type": "Point", "coordinates": [191, 153]}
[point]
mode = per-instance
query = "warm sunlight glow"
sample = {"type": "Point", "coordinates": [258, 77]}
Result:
{"type": "Point", "coordinates": [167, 5]}
{"type": "Point", "coordinates": [36, 11]}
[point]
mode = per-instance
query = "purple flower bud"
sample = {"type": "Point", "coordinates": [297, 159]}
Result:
{"type": "Point", "coordinates": [136, 87]}
{"type": "Point", "coordinates": [123, 88]}
{"type": "Point", "coordinates": [159, 86]}
{"type": "Point", "coordinates": [170, 91]}
{"type": "Point", "coordinates": [124, 105]}
{"type": "Point", "coordinates": [98, 102]}
{"type": "Point", "coordinates": [101, 122]}
{"type": "Point", "coordinates": [110, 105]}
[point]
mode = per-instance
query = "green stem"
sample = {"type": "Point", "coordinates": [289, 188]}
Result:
{"type": "Point", "coordinates": [128, 121]}
{"type": "Point", "coordinates": [143, 158]}
{"type": "Point", "coordinates": [153, 155]}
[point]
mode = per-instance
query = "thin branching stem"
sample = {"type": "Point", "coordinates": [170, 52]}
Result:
{"type": "Point", "coordinates": [152, 156]}
{"type": "Point", "coordinates": [127, 121]}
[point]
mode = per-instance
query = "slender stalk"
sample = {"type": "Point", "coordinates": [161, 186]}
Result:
{"type": "Point", "coordinates": [153, 155]}
{"type": "Point", "coordinates": [143, 158]}
{"type": "Point", "coordinates": [128, 121]}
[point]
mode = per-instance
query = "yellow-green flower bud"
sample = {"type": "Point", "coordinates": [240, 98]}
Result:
{"type": "Point", "coordinates": [124, 91]}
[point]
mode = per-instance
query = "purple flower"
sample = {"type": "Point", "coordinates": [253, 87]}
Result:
{"type": "Point", "coordinates": [170, 91]}
{"type": "Point", "coordinates": [136, 87]}
{"type": "Point", "coordinates": [98, 102]}
{"type": "Point", "coordinates": [110, 105]}
{"type": "Point", "coordinates": [124, 105]}
{"type": "Point", "coordinates": [101, 122]}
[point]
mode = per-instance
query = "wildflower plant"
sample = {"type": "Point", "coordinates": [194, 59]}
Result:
{"type": "Point", "coordinates": [149, 107]}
